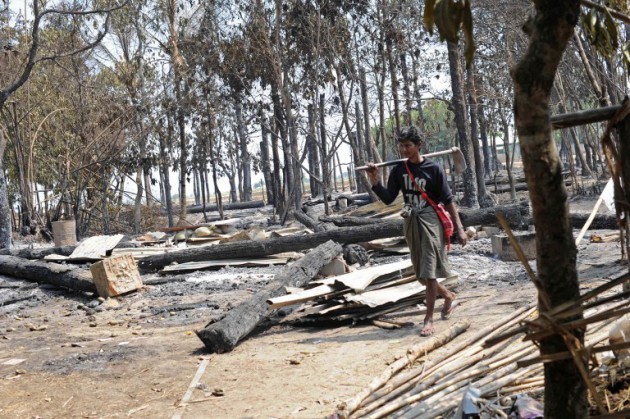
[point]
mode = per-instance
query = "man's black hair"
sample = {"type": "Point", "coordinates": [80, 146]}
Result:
{"type": "Point", "coordinates": [410, 133]}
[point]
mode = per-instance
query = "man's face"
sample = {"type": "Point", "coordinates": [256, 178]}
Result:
{"type": "Point", "coordinates": [408, 149]}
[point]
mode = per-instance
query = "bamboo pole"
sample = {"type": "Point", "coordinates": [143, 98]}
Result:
{"type": "Point", "coordinates": [346, 408]}
{"type": "Point", "coordinates": [444, 403]}
{"type": "Point", "coordinates": [448, 364]}
{"type": "Point", "coordinates": [537, 382]}
{"type": "Point", "coordinates": [447, 397]}
{"type": "Point", "coordinates": [452, 383]}
{"type": "Point", "coordinates": [486, 385]}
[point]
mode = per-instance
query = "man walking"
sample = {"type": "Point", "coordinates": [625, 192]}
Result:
{"type": "Point", "coordinates": [422, 181]}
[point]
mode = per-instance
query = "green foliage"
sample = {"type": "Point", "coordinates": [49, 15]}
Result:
{"type": "Point", "coordinates": [439, 128]}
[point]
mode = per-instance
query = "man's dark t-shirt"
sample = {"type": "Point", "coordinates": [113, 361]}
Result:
{"type": "Point", "coordinates": [428, 174]}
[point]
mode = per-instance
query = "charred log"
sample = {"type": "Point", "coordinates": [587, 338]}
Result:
{"type": "Point", "coordinates": [252, 249]}
{"type": "Point", "coordinates": [224, 335]}
{"type": "Point", "coordinates": [66, 276]}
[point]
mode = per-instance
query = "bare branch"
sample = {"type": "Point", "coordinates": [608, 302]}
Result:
{"type": "Point", "coordinates": [32, 56]}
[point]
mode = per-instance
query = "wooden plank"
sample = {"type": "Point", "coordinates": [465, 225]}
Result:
{"type": "Point", "coordinates": [300, 297]}
{"type": "Point", "coordinates": [196, 266]}
{"type": "Point", "coordinates": [95, 248]}
{"type": "Point", "coordinates": [386, 295]}
{"type": "Point", "coordinates": [359, 280]}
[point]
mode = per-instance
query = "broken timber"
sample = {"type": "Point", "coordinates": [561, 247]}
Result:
{"type": "Point", "coordinates": [515, 214]}
{"type": "Point", "coordinates": [65, 276]}
{"type": "Point", "coordinates": [194, 209]}
{"type": "Point", "coordinates": [311, 223]}
{"type": "Point", "coordinates": [254, 249]}
{"type": "Point", "coordinates": [38, 253]}
{"type": "Point", "coordinates": [223, 335]}
{"type": "Point", "coordinates": [601, 221]}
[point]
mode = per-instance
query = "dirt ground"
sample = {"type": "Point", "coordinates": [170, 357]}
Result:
{"type": "Point", "coordinates": [65, 354]}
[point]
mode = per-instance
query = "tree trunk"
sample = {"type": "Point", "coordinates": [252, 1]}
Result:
{"type": "Point", "coordinates": [416, 91]}
{"type": "Point", "coordinates": [183, 152]}
{"type": "Point", "coordinates": [195, 179]}
{"type": "Point", "coordinates": [586, 171]}
{"type": "Point", "coordinates": [362, 183]}
{"type": "Point", "coordinates": [237, 205]}
{"type": "Point", "coordinates": [278, 196]}
{"type": "Point", "coordinates": [406, 88]}
{"type": "Point", "coordinates": [516, 215]}
{"type": "Point", "coordinates": [137, 206]}
{"type": "Point", "coordinates": [165, 166]}
{"type": "Point", "coordinates": [232, 179]}
{"type": "Point", "coordinates": [225, 334]}
{"type": "Point", "coordinates": [66, 276]}
{"type": "Point", "coordinates": [550, 30]}
{"type": "Point", "coordinates": [146, 172]}
{"type": "Point", "coordinates": [483, 132]}
{"type": "Point", "coordinates": [327, 159]}
{"type": "Point", "coordinates": [215, 181]}
{"type": "Point", "coordinates": [104, 199]}
{"type": "Point", "coordinates": [393, 74]}
{"type": "Point", "coordinates": [265, 160]}
{"type": "Point", "coordinates": [602, 98]}
{"type": "Point", "coordinates": [246, 168]}
{"type": "Point", "coordinates": [38, 253]}
{"type": "Point", "coordinates": [270, 246]}
{"type": "Point", "coordinates": [459, 109]}
{"type": "Point", "coordinates": [5, 208]}
{"type": "Point", "coordinates": [360, 139]}
{"type": "Point", "coordinates": [372, 152]}
{"type": "Point", "coordinates": [313, 153]}
{"type": "Point", "coordinates": [343, 182]}
{"type": "Point", "coordinates": [382, 63]}
{"type": "Point", "coordinates": [283, 125]}
{"type": "Point", "coordinates": [483, 198]}
{"type": "Point", "coordinates": [506, 150]}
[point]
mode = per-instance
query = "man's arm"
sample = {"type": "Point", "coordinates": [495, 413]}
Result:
{"type": "Point", "coordinates": [387, 195]}
{"type": "Point", "coordinates": [459, 227]}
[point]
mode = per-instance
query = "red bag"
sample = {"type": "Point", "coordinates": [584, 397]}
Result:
{"type": "Point", "coordinates": [443, 215]}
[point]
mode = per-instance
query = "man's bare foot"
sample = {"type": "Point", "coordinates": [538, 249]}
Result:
{"type": "Point", "coordinates": [427, 329]}
{"type": "Point", "coordinates": [447, 309]}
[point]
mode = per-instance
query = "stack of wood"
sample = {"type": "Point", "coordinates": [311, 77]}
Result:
{"type": "Point", "coordinates": [498, 361]}
{"type": "Point", "coordinates": [363, 295]}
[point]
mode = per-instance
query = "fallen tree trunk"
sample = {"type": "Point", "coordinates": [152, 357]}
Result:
{"type": "Point", "coordinates": [252, 249]}
{"type": "Point", "coordinates": [35, 254]}
{"type": "Point", "coordinates": [312, 223]}
{"type": "Point", "coordinates": [223, 335]}
{"type": "Point", "coordinates": [38, 253]}
{"type": "Point", "coordinates": [601, 221]}
{"type": "Point", "coordinates": [352, 198]}
{"type": "Point", "coordinates": [515, 213]}
{"type": "Point", "coordinates": [504, 188]}
{"type": "Point", "coordinates": [195, 209]}
{"type": "Point", "coordinates": [66, 276]}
